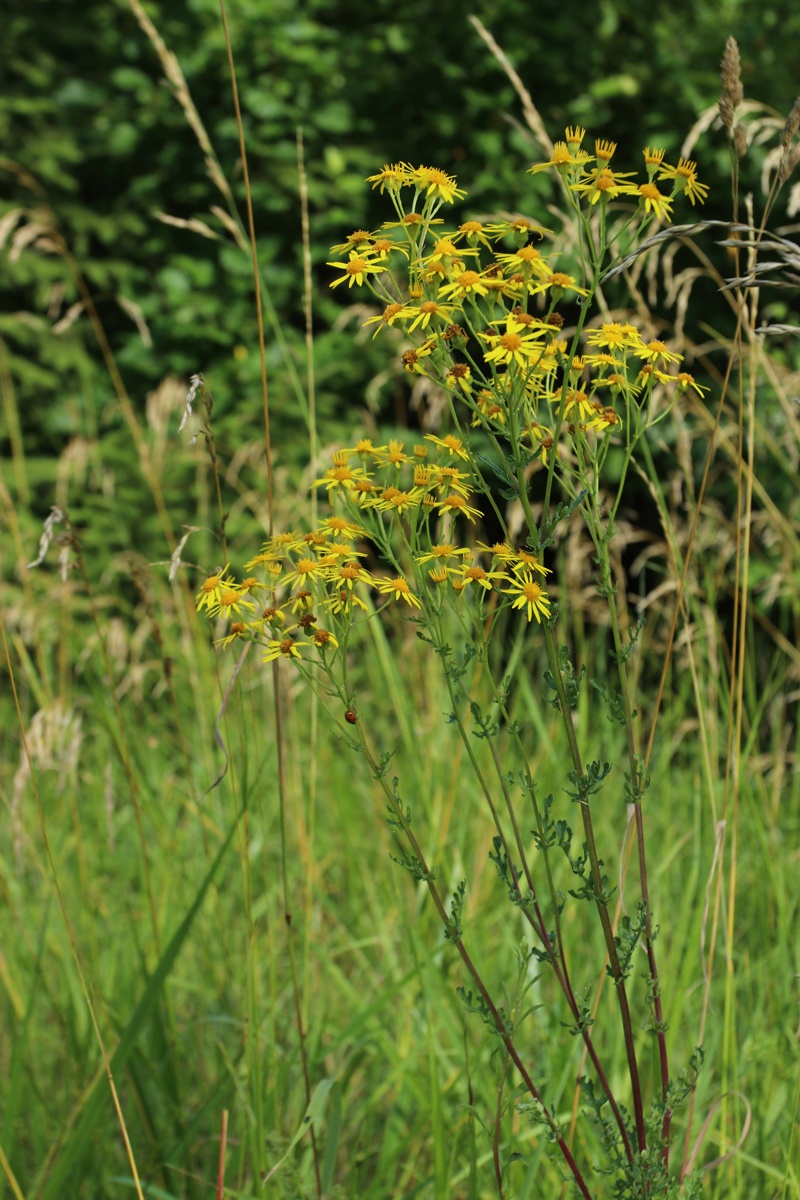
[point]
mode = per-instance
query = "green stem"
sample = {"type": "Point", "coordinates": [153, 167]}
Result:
{"type": "Point", "coordinates": [503, 1031]}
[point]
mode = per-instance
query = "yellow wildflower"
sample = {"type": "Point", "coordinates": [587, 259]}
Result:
{"type": "Point", "coordinates": [528, 594]}
{"type": "Point", "coordinates": [400, 589]}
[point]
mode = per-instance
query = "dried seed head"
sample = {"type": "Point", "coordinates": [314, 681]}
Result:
{"type": "Point", "coordinates": [792, 124]}
{"type": "Point", "coordinates": [732, 90]}
{"type": "Point", "coordinates": [740, 139]}
{"type": "Point", "coordinates": [788, 163]}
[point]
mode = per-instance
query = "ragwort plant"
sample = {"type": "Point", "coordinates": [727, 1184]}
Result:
{"type": "Point", "coordinates": [536, 406]}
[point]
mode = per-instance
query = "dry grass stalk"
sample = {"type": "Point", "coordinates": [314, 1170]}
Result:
{"type": "Point", "coordinates": [732, 90]}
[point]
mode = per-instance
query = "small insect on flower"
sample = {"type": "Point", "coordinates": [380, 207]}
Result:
{"type": "Point", "coordinates": [351, 717]}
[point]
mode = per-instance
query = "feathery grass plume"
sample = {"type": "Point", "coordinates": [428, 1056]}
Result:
{"type": "Point", "coordinates": [788, 164]}
{"type": "Point", "coordinates": [732, 90]}
{"type": "Point", "coordinates": [791, 154]}
{"type": "Point", "coordinates": [792, 124]}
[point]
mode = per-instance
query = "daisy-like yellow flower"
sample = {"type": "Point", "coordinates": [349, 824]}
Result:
{"type": "Point", "coordinates": [438, 576]}
{"type": "Point", "coordinates": [488, 409]}
{"type": "Point", "coordinates": [411, 221]}
{"type": "Point", "coordinates": [529, 594]}
{"type": "Point", "coordinates": [614, 335]}
{"type": "Point", "coordinates": [685, 180]}
{"type": "Point", "coordinates": [525, 560]}
{"type": "Point", "coordinates": [399, 589]}
{"type": "Point", "coordinates": [365, 448]}
{"type": "Point", "coordinates": [473, 231]}
{"type": "Point", "coordinates": [459, 378]}
{"type": "Point", "coordinates": [340, 527]}
{"type": "Point", "coordinates": [282, 648]}
{"type": "Point", "coordinates": [575, 398]}
{"type": "Point", "coordinates": [655, 202]}
{"type": "Point", "coordinates": [604, 151]}
{"type": "Point", "coordinates": [274, 617]}
{"type": "Point", "coordinates": [463, 284]}
{"type": "Point", "coordinates": [442, 552]}
{"type": "Point", "coordinates": [393, 455]}
{"type": "Point", "coordinates": [445, 249]}
{"type": "Point", "coordinates": [324, 638]}
{"type": "Point", "coordinates": [344, 601]}
{"type": "Point", "coordinates": [231, 599]}
{"type": "Point", "coordinates": [619, 384]}
{"type": "Point", "coordinates": [411, 358]}
{"type": "Point", "coordinates": [603, 361]}
{"type": "Point", "coordinates": [383, 247]}
{"type": "Point", "coordinates": [428, 310]}
{"type": "Point", "coordinates": [499, 550]}
{"type": "Point", "coordinates": [540, 435]}
{"type": "Point", "coordinates": [390, 178]}
{"type": "Point", "coordinates": [359, 239]}
{"type": "Point", "coordinates": [684, 381]}
{"type": "Point", "coordinates": [341, 476]}
{"type": "Point", "coordinates": [336, 551]}
{"type": "Point", "coordinates": [386, 319]}
{"type": "Point", "coordinates": [657, 350]}
{"type": "Point", "coordinates": [263, 559]}
{"type": "Point", "coordinates": [605, 184]}
{"type": "Point", "coordinates": [302, 601]}
{"type": "Point", "coordinates": [559, 282]}
{"type": "Point", "coordinates": [347, 575]}
{"type": "Point", "coordinates": [450, 443]}
{"type": "Point", "coordinates": [306, 568]}
{"type": "Point", "coordinates": [652, 161]}
{"type": "Point", "coordinates": [455, 503]}
{"type": "Point", "coordinates": [465, 575]}
{"type": "Point", "coordinates": [237, 630]}
{"type": "Point", "coordinates": [450, 479]}
{"type": "Point", "coordinates": [315, 537]}
{"type": "Point", "coordinates": [561, 158]}
{"type": "Point", "coordinates": [527, 260]}
{"type": "Point", "coordinates": [398, 501]}
{"type": "Point", "coordinates": [520, 228]}
{"type": "Point", "coordinates": [356, 269]}
{"type": "Point", "coordinates": [605, 419]}
{"type": "Point", "coordinates": [212, 588]}
{"type": "Point", "coordinates": [436, 183]}
{"type": "Point", "coordinates": [518, 345]}
{"type": "Point", "coordinates": [363, 491]}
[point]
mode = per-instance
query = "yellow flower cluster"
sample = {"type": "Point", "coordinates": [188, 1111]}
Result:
{"type": "Point", "coordinates": [479, 306]}
{"type": "Point", "coordinates": [483, 320]}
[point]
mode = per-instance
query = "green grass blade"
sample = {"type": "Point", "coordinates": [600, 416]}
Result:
{"type": "Point", "coordinates": [52, 1187]}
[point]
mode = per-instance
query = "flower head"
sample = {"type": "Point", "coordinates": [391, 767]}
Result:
{"type": "Point", "coordinates": [285, 647]}
{"type": "Point", "coordinates": [211, 589]}
{"type": "Point", "coordinates": [685, 180]}
{"type": "Point", "coordinates": [357, 267]}
{"type": "Point", "coordinates": [654, 201]}
{"type": "Point", "coordinates": [529, 594]}
{"type": "Point", "coordinates": [436, 183]}
{"type": "Point", "coordinates": [400, 589]}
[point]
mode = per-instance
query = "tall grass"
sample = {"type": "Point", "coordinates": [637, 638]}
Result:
{"type": "Point", "coordinates": [168, 1029]}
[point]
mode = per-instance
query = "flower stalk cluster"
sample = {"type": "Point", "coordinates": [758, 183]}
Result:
{"type": "Point", "coordinates": [538, 392]}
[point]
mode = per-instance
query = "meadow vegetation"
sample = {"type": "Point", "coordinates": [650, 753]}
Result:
{"type": "Point", "coordinates": [238, 956]}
